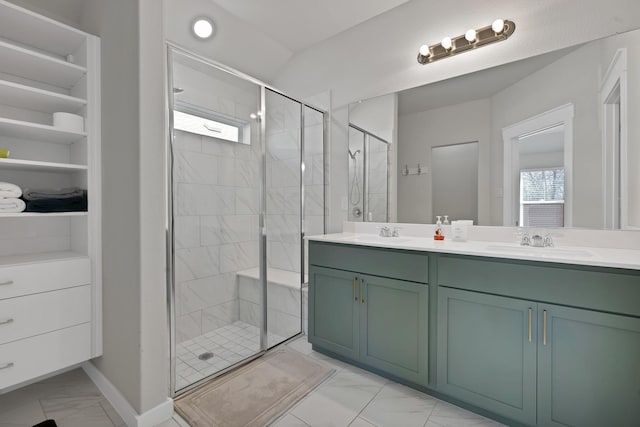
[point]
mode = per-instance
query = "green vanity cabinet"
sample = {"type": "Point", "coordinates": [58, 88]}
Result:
{"type": "Point", "coordinates": [393, 327]}
{"type": "Point", "coordinates": [379, 322]}
{"type": "Point", "coordinates": [588, 368]}
{"type": "Point", "coordinates": [487, 352]}
{"type": "Point", "coordinates": [334, 310]}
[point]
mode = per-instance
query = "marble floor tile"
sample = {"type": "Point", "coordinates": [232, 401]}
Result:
{"type": "Point", "coordinates": [399, 405]}
{"type": "Point", "coordinates": [289, 421]}
{"type": "Point", "coordinates": [446, 415]}
{"type": "Point", "coordinates": [92, 416]}
{"type": "Point", "coordinates": [318, 410]}
{"type": "Point", "coordinates": [359, 422]}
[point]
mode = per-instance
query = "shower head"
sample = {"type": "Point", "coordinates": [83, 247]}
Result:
{"type": "Point", "coordinates": [353, 154]}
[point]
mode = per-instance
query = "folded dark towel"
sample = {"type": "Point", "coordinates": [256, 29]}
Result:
{"type": "Point", "coordinates": [64, 193]}
{"type": "Point", "coordinates": [47, 423]}
{"type": "Point", "coordinates": [72, 204]}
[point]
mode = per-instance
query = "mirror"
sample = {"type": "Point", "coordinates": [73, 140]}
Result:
{"type": "Point", "coordinates": [549, 141]}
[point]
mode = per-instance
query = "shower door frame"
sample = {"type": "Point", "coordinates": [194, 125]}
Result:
{"type": "Point", "coordinates": [366, 138]}
{"type": "Point", "coordinates": [170, 50]}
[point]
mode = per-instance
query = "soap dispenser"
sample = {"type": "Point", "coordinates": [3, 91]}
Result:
{"type": "Point", "coordinates": [438, 235]}
{"type": "Point", "coordinates": [446, 226]}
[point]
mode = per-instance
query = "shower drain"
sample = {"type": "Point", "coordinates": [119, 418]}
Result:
{"type": "Point", "coordinates": [206, 356]}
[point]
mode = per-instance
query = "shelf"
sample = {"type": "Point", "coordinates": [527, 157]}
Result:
{"type": "Point", "coordinates": [38, 132]}
{"type": "Point", "coordinates": [41, 215]}
{"type": "Point", "coordinates": [40, 257]}
{"type": "Point", "coordinates": [39, 67]}
{"type": "Point", "coordinates": [31, 165]}
{"type": "Point", "coordinates": [29, 98]}
{"type": "Point", "coordinates": [38, 31]}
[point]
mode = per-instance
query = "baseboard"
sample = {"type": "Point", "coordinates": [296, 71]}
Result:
{"type": "Point", "coordinates": [130, 416]}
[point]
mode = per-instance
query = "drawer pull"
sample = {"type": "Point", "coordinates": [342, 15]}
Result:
{"type": "Point", "coordinates": [530, 325]}
{"type": "Point", "coordinates": [6, 321]}
{"type": "Point", "coordinates": [544, 327]}
{"type": "Point", "coordinates": [361, 291]}
{"type": "Point", "coordinates": [7, 366]}
{"type": "Point", "coordinates": [6, 283]}
{"type": "Point", "coordinates": [355, 295]}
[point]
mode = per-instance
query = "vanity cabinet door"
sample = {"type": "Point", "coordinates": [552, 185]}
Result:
{"type": "Point", "coordinates": [394, 327]}
{"type": "Point", "coordinates": [589, 368]}
{"type": "Point", "coordinates": [333, 310]}
{"type": "Point", "coordinates": [487, 352]}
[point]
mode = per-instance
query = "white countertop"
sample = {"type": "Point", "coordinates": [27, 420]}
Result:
{"type": "Point", "coordinates": [601, 257]}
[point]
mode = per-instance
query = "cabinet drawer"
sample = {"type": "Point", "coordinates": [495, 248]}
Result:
{"type": "Point", "coordinates": [26, 279]}
{"type": "Point", "coordinates": [598, 288]}
{"type": "Point", "coordinates": [396, 264]}
{"type": "Point", "coordinates": [30, 358]}
{"type": "Point", "coordinates": [31, 315]}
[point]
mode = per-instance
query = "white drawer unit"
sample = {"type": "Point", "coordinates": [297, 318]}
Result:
{"type": "Point", "coordinates": [27, 279]}
{"type": "Point", "coordinates": [30, 358]}
{"type": "Point", "coordinates": [32, 315]}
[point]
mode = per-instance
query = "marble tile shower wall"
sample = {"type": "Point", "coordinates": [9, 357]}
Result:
{"type": "Point", "coordinates": [216, 229]}
{"type": "Point", "coordinates": [283, 183]}
{"type": "Point", "coordinates": [283, 180]}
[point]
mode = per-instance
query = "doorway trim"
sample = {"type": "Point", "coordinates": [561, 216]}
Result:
{"type": "Point", "coordinates": [614, 107]}
{"type": "Point", "coordinates": [562, 115]}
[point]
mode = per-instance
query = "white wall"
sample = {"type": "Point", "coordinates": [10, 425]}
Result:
{"type": "Point", "coordinates": [571, 79]}
{"type": "Point", "coordinates": [419, 132]}
{"type": "Point", "coordinates": [630, 41]}
{"type": "Point", "coordinates": [379, 56]}
{"type": "Point", "coordinates": [235, 43]}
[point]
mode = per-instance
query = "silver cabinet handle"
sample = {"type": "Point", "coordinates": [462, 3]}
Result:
{"type": "Point", "coordinates": [6, 321]}
{"type": "Point", "coordinates": [544, 327]}
{"type": "Point", "coordinates": [530, 325]}
{"type": "Point", "coordinates": [361, 291]}
{"type": "Point", "coordinates": [355, 295]}
{"type": "Point", "coordinates": [6, 283]}
{"type": "Point", "coordinates": [7, 366]}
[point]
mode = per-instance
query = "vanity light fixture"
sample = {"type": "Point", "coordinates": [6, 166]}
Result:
{"type": "Point", "coordinates": [202, 28]}
{"type": "Point", "coordinates": [499, 30]}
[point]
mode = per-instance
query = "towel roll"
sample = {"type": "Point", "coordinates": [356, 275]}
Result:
{"type": "Point", "coordinates": [8, 190]}
{"type": "Point", "coordinates": [12, 205]}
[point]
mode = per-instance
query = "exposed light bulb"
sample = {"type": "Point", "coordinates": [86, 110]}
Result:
{"type": "Point", "coordinates": [498, 26]}
{"type": "Point", "coordinates": [203, 28]}
{"type": "Point", "coordinates": [424, 50]}
{"type": "Point", "coordinates": [470, 35]}
{"type": "Point", "coordinates": [446, 43]}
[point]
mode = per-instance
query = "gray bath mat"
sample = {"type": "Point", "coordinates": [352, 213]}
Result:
{"type": "Point", "coordinates": [255, 394]}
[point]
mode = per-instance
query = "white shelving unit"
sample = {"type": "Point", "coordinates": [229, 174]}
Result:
{"type": "Point", "coordinates": [48, 67]}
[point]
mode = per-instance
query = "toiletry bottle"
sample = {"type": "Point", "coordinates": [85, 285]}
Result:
{"type": "Point", "coordinates": [446, 226]}
{"type": "Point", "coordinates": [438, 233]}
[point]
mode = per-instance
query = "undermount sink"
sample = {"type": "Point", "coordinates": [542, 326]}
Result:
{"type": "Point", "coordinates": [537, 251]}
{"type": "Point", "coordinates": [376, 239]}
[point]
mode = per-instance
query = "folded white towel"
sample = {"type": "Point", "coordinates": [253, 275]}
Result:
{"type": "Point", "coordinates": [9, 190]}
{"type": "Point", "coordinates": [12, 205]}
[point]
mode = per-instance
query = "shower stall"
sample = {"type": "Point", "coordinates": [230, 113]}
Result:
{"type": "Point", "coordinates": [246, 183]}
{"type": "Point", "coordinates": [368, 176]}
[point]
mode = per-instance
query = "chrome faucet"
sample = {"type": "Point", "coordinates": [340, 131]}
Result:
{"type": "Point", "coordinates": [536, 241]}
{"type": "Point", "coordinates": [548, 241]}
{"type": "Point", "coordinates": [385, 231]}
{"type": "Point", "coordinates": [526, 240]}
{"type": "Point", "coordinates": [396, 232]}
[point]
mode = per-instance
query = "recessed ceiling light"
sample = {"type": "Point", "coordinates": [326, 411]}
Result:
{"type": "Point", "coordinates": [203, 28]}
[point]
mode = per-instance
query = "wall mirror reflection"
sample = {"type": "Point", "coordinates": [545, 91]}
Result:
{"type": "Point", "coordinates": [555, 145]}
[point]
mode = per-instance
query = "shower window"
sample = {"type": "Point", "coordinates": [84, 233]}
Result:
{"type": "Point", "coordinates": [192, 119]}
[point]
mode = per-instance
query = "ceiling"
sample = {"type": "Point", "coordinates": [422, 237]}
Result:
{"type": "Point", "coordinates": [299, 24]}
{"type": "Point", "coordinates": [474, 86]}
{"type": "Point", "coordinates": [67, 11]}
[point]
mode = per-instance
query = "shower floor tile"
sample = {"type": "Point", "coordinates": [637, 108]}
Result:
{"type": "Point", "coordinates": [229, 344]}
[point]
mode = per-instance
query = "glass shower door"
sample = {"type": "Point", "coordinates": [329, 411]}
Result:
{"type": "Point", "coordinates": [283, 220]}
{"type": "Point", "coordinates": [216, 178]}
